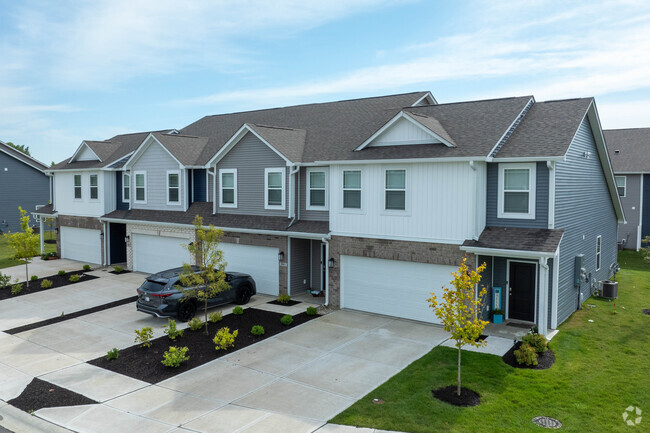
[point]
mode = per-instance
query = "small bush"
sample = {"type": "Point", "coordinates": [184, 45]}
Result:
{"type": "Point", "coordinates": [4, 280]}
{"type": "Point", "coordinates": [46, 284]}
{"type": "Point", "coordinates": [171, 330]}
{"type": "Point", "coordinates": [238, 311]}
{"type": "Point", "coordinates": [61, 273]}
{"type": "Point", "coordinates": [257, 330]}
{"type": "Point", "coordinates": [286, 320]}
{"type": "Point", "coordinates": [195, 324]}
{"type": "Point", "coordinates": [526, 355]}
{"type": "Point", "coordinates": [16, 288]}
{"type": "Point", "coordinates": [174, 356]}
{"type": "Point", "coordinates": [118, 269]}
{"type": "Point", "coordinates": [224, 338]}
{"type": "Point", "coordinates": [312, 311]}
{"type": "Point", "coordinates": [33, 277]}
{"type": "Point", "coordinates": [215, 317]}
{"type": "Point", "coordinates": [284, 298]}
{"type": "Point", "coordinates": [144, 336]}
{"type": "Point", "coordinates": [74, 278]}
{"type": "Point", "coordinates": [87, 268]}
{"type": "Point", "coordinates": [536, 341]}
{"type": "Point", "coordinates": [112, 354]}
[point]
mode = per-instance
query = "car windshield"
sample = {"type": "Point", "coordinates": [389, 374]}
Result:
{"type": "Point", "coordinates": [152, 286]}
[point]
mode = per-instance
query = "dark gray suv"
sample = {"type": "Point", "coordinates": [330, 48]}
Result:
{"type": "Point", "coordinates": [159, 296]}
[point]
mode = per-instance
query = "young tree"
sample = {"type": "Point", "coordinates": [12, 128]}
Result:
{"type": "Point", "coordinates": [460, 307]}
{"type": "Point", "coordinates": [210, 280]}
{"type": "Point", "coordinates": [24, 243]}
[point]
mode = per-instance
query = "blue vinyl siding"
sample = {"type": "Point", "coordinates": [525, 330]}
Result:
{"type": "Point", "coordinates": [200, 193]}
{"type": "Point", "coordinates": [645, 225]}
{"type": "Point", "coordinates": [584, 209]}
{"type": "Point", "coordinates": [121, 205]}
{"type": "Point", "coordinates": [486, 281]}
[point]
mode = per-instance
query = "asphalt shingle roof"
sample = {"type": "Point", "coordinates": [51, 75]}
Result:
{"type": "Point", "coordinates": [22, 157]}
{"type": "Point", "coordinates": [633, 147]}
{"type": "Point", "coordinates": [518, 239]}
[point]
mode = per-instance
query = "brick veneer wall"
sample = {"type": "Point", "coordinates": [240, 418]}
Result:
{"type": "Point", "coordinates": [79, 222]}
{"type": "Point", "coordinates": [156, 230]}
{"type": "Point", "coordinates": [419, 252]}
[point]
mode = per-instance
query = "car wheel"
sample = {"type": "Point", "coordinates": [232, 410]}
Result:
{"type": "Point", "coordinates": [243, 295]}
{"type": "Point", "coordinates": [186, 311]}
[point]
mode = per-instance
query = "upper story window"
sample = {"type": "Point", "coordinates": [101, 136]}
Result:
{"type": "Point", "coordinates": [352, 189]}
{"type": "Point", "coordinates": [516, 191]}
{"type": "Point", "coordinates": [228, 182]}
{"type": "Point", "coordinates": [126, 187]}
{"type": "Point", "coordinates": [140, 187]}
{"type": "Point", "coordinates": [621, 185]}
{"type": "Point", "coordinates": [173, 187]}
{"type": "Point", "coordinates": [316, 189]}
{"type": "Point", "coordinates": [77, 186]}
{"type": "Point", "coordinates": [598, 247]}
{"type": "Point", "coordinates": [274, 188]}
{"type": "Point", "coordinates": [395, 190]}
{"type": "Point", "coordinates": [94, 187]}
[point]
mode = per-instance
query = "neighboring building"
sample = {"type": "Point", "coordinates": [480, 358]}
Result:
{"type": "Point", "coordinates": [23, 183]}
{"type": "Point", "coordinates": [373, 201]}
{"type": "Point", "coordinates": [629, 151]}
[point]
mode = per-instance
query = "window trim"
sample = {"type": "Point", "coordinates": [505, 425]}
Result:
{"type": "Point", "coordinates": [90, 187]}
{"type": "Point", "coordinates": [599, 252]}
{"type": "Point", "coordinates": [532, 176]}
{"type": "Point", "coordinates": [343, 189]}
{"type": "Point", "coordinates": [308, 205]}
{"type": "Point", "coordinates": [74, 187]}
{"type": "Point", "coordinates": [126, 186]}
{"type": "Point", "coordinates": [179, 187]}
{"type": "Point", "coordinates": [223, 171]}
{"type": "Point", "coordinates": [624, 185]}
{"type": "Point", "coordinates": [135, 185]}
{"type": "Point", "coordinates": [267, 171]}
{"type": "Point", "coordinates": [406, 200]}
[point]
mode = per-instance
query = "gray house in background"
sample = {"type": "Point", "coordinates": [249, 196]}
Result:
{"type": "Point", "coordinates": [629, 151]}
{"type": "Point", "coordinates": [23, 182]}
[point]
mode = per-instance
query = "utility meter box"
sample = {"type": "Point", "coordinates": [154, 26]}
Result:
{"type": "Point", "coordinates": [579, 270]}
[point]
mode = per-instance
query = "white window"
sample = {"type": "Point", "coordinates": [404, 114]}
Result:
{"type": "Point", "coordinates": [77, 186]}
{"type": "Point", "coordinates": [94, 188]}
{"type": "Point", "coordinates": [316, 189]}
{"type": "Point", "coordinates": [140, 187]}
{"type": "Point", "coordinates": [126, 187]}
{"type": "Point", "coordinates": [274, 188]}
{"type": "Point", "coordinates": [352, 189]}
{"type": "Point", "coordinates": [621, 183]}
{"type": "Point", "coordinates": [228, 182]}
{"type": "Point", "coordinates": [173, 187]}
{"type": "Point", "coordinates": [516, 191]}
{"type": "Point", "coordinates": [395, 197]}
{"type": "Point", "coordinates": [598, 242]}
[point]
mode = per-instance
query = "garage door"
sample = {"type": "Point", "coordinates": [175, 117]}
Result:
{"type": "Point", "coordinates": [153, 254]}
{"type": "Point", "coordinates": [81, 244]}
{"type": "Point", "coordinates": [391, 287]}
{"type": "Point", "coordinates": [260, 262]}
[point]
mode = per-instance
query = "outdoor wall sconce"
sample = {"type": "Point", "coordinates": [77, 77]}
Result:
{"type": "Point", "coordinates": [331, 262]}
{"type": "Point", "coordinates": [101, 236]}
{"type": "Point", "coordinates": [56, 230]}
{"type": "Point", "coordinates": [127, 238]}
{"type": "Point", "coordinates": [281, 256]}
{"type": "Point", "coordinates": [190, 244]}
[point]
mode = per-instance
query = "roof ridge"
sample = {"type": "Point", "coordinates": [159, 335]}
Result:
{"type": "Point", "coordinates": [471, 102]}
{"type": "Point", "coordinates": [277, 127]}
{"type": "Point", "coordinates": [626, 129]}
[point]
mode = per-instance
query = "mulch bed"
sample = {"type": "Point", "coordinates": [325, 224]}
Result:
{"type": "Point", "coordinates": [646, 311]}
{"type": "Point", "coordinates": [448, 395]}
{"type": "Point", "coordinates": [40, 394]}
{"type": "Point", "coordinates": [69, 316]}
{"type": "Point", "coordinates": [145, 363]}
{"type": "Point", "coordinates": [120, 273]}
{"type": "Point", "coordinates": [286, 304]}
{"type": "Point", "coordinates": [544, 360]}
{"type": "Point", "coordinates": [35, 286]}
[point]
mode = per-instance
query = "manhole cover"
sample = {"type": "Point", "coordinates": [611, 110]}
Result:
{"type": "Point", "coordinates": [646, 311]}
{"type": "Point", "coordinates": [547, 422]}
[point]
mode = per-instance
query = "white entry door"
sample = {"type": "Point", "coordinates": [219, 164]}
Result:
{"type": "Point", "coordinates": [84, 245]}
{"type": "Point", "coordinates": [153, 254]}
{"type": "Point", "coordinates": [260, 262]}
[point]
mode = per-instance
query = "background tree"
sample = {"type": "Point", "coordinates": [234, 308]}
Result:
{"type": "Point", "coordinates": [20, 147]}
{"type": "Point", "coordinates": [460, 307]}
{"type": "Point", "coordinates": [210, 280]}
{"type": "Point", "coordinates": [24, 243]}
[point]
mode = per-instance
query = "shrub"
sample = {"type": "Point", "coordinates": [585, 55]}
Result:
{"type": "Point", "coordinates": [286, 320]}
{"type": "Point", "coordinates": [195, 324]}
{"type": "Point", "coordinates": [87, 268]}
{"type": "Point", "coordinates": [33, 278]}
{"type": "Point", "coordinates": [536, 341]}
{"type": "Point", "coordinates": [118, 269]}
{"type": "Point", "coordinates": [174, 356]}
{"type": "Point", "coordinates": [284, 298]}
{"type": "Point", "coordinates": [112, 354]}
{"type": "Point", "coordinates": [257, 330]}
{"type": "Point", "coordinates": [144, 336]}
{"type": "Point", "coordinates": [74, 278]}
{"type": "Point", "coordinates": [16, 288]}
{"type": "Point", "coordinates": [224, 338]}
{"type": "Point", "coordinates": [61, 273]}
{"type": "Point", "coordinates": [312, 311]}
{"type": "Point", "coordinates": [526, 355]}
{"type": "Point", "coordinates": [46, 284]}
{"type": "Point", "coordinates": [238, 311]}
{"type": "Point", "coordinates": [4, 280]}
{"type": "Point", "coordinates": [171, 330]}
{"type": "Point", "coordinates": [215, 317]}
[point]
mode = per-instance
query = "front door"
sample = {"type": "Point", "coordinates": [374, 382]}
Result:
{"type": "Point", "coordinates": [521, 284]}
{"type": "Point", "coordinates": [117, 243]}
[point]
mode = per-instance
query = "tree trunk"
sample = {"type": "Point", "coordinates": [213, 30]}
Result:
{"type": "Point", "coordinates": [26, 274]}
{"type": "Point", "coordinates": [205, 310]}
{"type": "Point", "coordinates": [458, 389]}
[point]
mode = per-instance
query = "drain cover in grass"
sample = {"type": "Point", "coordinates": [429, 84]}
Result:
{"type": "Point", "coordinates": [547, 422]}
{"type": "Point", "coordinates": [646, 311]}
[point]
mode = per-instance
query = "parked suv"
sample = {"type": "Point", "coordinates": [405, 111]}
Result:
{"type": "Point", "coordinates": [159, 296]}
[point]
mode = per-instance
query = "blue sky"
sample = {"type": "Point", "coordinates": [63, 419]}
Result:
{"type": "Point", "coordinates": [74, 70]}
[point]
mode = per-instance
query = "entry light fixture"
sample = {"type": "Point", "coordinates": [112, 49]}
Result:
{"type": "Point", "coordinates": [127, 238]}
{"type": "Point", "coordinates": [101, 236]}
{"type": "Point", "coordinates": [331, 262]}
{"type": "Point", "coordinates": [281, 256]}
{"type": "Point", "coordinates": [56, 230]}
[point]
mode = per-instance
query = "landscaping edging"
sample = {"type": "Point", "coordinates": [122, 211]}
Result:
{"type": "Point", "coordinates": [35, 285]}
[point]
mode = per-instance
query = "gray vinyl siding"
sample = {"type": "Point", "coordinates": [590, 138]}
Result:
{"type": "Point", "coordinates": [541, 200]}
{"type": "Point", "coordinates": [628, 232]}
{"type": "Point", "coordinates": [645, 225]}
{"type": "Point", "coordinates": [20, 185]}
{"type": "Point", "coordinates": [310, 215]}
{"type": "Point", "coordinates": [156, 161]}
{"type": "Point", "coordinates": [300, 269]}
{"type": "Point", "coordinates": [250, 157]}
{"type": "Point", "coordinates": [583, 208]}
{"type": "Point", "coordinates": [315, 265]}
{"type": "Point", "coordinates": [210, 187]}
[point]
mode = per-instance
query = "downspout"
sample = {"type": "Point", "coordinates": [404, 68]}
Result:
{"type": "Point", "coordinates": [551, 194]}
{"type": "Point", "coordinates": [325, 240]}
{"type": "Point", "coordinates": [293, 169]}
{"type": "Point", "coordinates": [543, 319]}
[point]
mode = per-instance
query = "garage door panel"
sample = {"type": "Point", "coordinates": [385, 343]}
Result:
{"type": "Point", "coordinates": [260, 262]}
{"type": "Point", "coordinates": [81, 244]}
{"type": "Point", "coordinates": [156, 253]}
{"type": "Point", "coordinates": [392, 287]}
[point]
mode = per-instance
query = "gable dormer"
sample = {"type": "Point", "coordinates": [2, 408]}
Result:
{"type": "Point", "coordinates": [84, 153]}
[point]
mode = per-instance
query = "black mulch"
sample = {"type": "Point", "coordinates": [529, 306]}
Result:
{"type": "Point", "coordinates": [286, 304]}
{"type": "Point", "coordinates": [70, 315]}
{"type": "Point", "coordinates": [544, 360]}
{"type": "Point", "coordinates": [518, 325]}
{"type": "Point", "coordinates": [481, 337]}
{"type": "Point", "coordinates": [120, 273]}
{"type": "Point", "coordinates": [50, 241]}
{"type": "Point", "coordinates": [35, 286]}
{"type": "Point", "coordinates": [39, 394]}
{"type": "Point", "coordinates": [145, 363]}
{"type": "Point", "coordinates": [448, 395]}
{"type": "Point", "coordinates": [646, 311]}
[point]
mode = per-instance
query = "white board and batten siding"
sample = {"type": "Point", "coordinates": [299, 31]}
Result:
{"type": "Point", "coordinates": [153, 253]}
{"type": "Point", "coordinates": [66, 204]}
{"type": "Point", "coordinates": [79, 244]}
{"type": "Point", "coordinates": [261, 263]}
{"type": "Point", "coordinates": [445, 202]}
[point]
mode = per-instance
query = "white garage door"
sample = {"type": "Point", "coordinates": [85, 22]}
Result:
{"type": "Point", "coordinates": [392, 287]}
{"type": "Point", "coordinates": [81, 244]}
{"type": "Point", "coordinates": [260, 262]}
{"type": "Point", "coordinates": [156, 253]}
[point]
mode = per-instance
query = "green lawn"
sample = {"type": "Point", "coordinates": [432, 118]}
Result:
{"type": "Point", "coordinates": [7, 254]}
{"type": "Point", "coordinates": [602, 367]}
